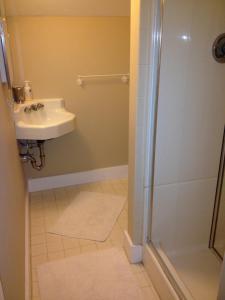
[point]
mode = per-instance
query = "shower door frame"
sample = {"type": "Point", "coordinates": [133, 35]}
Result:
{"type": "Point", "coordinates": [157, 7]}
{"type": "Point", "coordinates": [168, 277]}
{"type": "Point", "coordinates": [218, 200]}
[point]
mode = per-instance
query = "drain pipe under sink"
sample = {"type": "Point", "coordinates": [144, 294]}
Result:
{"type": "Point", "coordinates": [29, 157]}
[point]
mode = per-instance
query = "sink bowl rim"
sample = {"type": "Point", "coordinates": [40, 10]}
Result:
{"type": "Point", "coordinates": [66, 123]}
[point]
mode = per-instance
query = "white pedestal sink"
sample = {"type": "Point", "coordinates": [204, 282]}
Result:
{"type": "Point", "coordinates": [50, 121]}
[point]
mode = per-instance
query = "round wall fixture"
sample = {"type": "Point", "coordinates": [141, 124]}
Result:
{"type": "Point", "coordinates": [219, 48]}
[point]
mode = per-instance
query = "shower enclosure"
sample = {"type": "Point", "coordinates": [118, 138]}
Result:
{"type": "Point", "coordinates": [187, 222]}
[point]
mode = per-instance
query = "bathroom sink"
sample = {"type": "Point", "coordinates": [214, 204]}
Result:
{"type": "Point", "coordinates": [42, 119]}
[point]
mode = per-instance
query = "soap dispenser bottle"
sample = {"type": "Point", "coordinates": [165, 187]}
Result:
{"type": "Point", "coordinates": [28, 90]}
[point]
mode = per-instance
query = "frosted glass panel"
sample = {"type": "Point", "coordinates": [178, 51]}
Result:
{"type": "Point", "coordinates": [190, 125]}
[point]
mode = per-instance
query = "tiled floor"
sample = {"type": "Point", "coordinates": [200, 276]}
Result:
{"type": "Point", "coordinates": [45, 208]}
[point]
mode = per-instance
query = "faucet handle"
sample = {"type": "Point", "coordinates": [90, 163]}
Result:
{"type": "Point", "coordinates": [27, 109]}
{"type": "Point", "coordinates": [40, 106]}
{"type": "Point", "coordinates": [34, 107]}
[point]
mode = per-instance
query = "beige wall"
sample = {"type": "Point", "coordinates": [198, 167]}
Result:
{"type": "Point", "coordinates": [67, 7]}
{"type": "Point", "coordinates": [51, 51]}
{"type": "Point", "coordinates": [12, 209]}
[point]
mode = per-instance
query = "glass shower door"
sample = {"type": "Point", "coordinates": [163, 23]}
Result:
{"type": "Point", "coordinates": [189, 131]}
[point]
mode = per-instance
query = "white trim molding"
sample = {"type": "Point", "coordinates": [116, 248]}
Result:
{"type": "Point", "coordinates": [221, 294]}
{"type": "Point", "coordinates": [158, 277]}
{"type": "Point", "coordinates": [27, 250]}
{"type": "Point", "coordinates": [1, 292]}
{"type": "Point", "coordinates": [45, 183]}
{"type": "Point", "coordinates": [134, 252]}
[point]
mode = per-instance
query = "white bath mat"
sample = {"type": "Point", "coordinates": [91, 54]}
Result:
{"type": "Point", "coordinates": [90, 216]}
{"type": "Point", "coordinates": [100, 275]}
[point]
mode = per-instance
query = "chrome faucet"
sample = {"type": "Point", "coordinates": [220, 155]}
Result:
{"type": "Point", "coordinates": [27, 109]}
{"type": "Point", "coordinates": [33, 107]}
{"type": "Point", "coordinates": [40, 106]}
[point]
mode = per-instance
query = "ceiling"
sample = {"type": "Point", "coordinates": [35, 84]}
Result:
{"type": "Point", "coordinates": [67, 7]}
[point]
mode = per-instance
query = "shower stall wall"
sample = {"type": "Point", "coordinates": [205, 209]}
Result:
{"type": "Point", "coordinates": [189, 132]}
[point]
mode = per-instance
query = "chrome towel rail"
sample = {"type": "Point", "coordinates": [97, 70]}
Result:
{"type": "Point", "coordinates": [123, 77]}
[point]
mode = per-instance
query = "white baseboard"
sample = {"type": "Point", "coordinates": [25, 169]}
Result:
{"type": "Point", "coordinates": [134, 252]}
{"type": "Point", "coordinates": [158, 277]}
{"type": "Point", "coordinates": [1, 292]}
{"type": "Point", "coordinates": [27, 251]}
{"type": "Point", "coordinates": [45, 183]}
